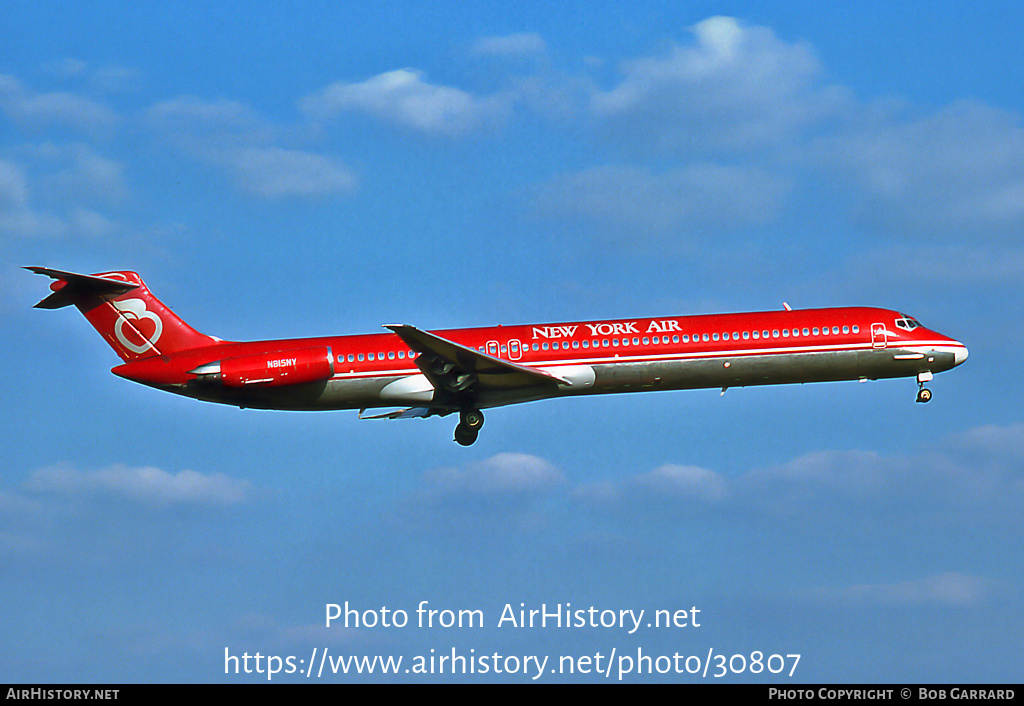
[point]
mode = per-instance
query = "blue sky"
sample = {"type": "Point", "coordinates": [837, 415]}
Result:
{"type": "Point", "coordinates": [295, 169]}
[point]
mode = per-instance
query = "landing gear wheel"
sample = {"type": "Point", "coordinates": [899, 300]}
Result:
{"type": "Point", "coordinates": [464, 435]}
{"type": "Point", "coordinates": [469, 426]}
{"type": "Point", "coordinates": [472, 418]}
{"type": "Point", "coordinates": [924, 395]}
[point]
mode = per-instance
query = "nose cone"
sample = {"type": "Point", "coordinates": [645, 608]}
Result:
{"type": "Point", "coordinates": [959, 353]}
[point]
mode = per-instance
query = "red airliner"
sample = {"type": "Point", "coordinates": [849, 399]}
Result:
{"type": "Point", "coordinates": [466, 370]}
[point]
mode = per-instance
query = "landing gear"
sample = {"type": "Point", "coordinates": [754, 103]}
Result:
{"type": "Point", "coordinates": [923, 394]}
{"type": "Point", "coordinates": [470, 421]}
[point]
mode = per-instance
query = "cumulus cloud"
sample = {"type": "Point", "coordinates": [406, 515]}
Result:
{"type": "Point", "coordinates": [234, 137]}
{"type": "Point", "coordinates": [697, 197]}
{"type": "Point", "coordinates": [949, 263]}
{"type": "Point", "coordinates": [146, 484]}
{"type": "Point", "coordinates": [82, 173]}
{"type": "Point", "coordinates": [510, 45]}
{"type": "Point", "coordinates": [993, 439]}
{"type": "Point", "coordinates": [275, 172]}
{"type": "Point", "coordinates": [505, 474]}
{"type": "Point", "coordinates": [195, 118]}
{"type": "Point", "coordinates": [13, 185]}
{"type": "Point", "coordinates": [733, 88]}
{"type": "Point", "coordinates": [958, 170]}
{"type": "Point", "coordinates": [946, 589]}
{"type": "Point", "coordinates": [406, 98]}
{"type": "Point", "coordinates": [52, 191]}
{"type": "Point", "coordinates": [509, 490]}
{"type": "Point", "coordinates": [69, 109]}
{"type": "Point", "coordinates": [684, 482]}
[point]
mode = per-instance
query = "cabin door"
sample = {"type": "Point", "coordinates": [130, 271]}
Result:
{"type": "Point", "coordinates": [879, 336]}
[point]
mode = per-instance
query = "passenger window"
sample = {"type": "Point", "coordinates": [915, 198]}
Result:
{"type": "Point", "coordinates": [856, 328]}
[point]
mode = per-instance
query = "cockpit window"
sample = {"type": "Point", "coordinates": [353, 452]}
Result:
{"type": "Point", "coordinates": [907, 323]}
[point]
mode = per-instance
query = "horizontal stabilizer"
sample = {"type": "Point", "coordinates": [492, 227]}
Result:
{"type": "Point", "coordinates": [76, 285]}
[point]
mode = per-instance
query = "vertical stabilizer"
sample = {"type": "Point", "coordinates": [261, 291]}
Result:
{"type": "Point", "coordinates": [119, 305]}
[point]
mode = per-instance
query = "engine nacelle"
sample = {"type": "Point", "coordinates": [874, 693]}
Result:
{"type": "Point", "coordinates": [272, 369]}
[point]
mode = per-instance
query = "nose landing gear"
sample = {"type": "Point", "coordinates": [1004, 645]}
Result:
{"type": "Point", "coordinates": [923, 394]}
{"type": "Point", "coordinates": [470, 421]}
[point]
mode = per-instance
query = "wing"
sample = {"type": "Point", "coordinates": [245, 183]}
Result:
{"type": "Point", "coordinates": [461, 371]}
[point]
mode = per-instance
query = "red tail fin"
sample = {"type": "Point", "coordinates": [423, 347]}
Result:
{"type": "Point", "coordinates": [118, 305]}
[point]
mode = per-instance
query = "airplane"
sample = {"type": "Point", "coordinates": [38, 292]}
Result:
{"type": "Point", "coordinates": [467, 370]}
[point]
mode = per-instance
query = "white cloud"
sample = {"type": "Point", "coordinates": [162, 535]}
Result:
{"type": "Point", "coordinates": [958, 171]}
{"type": "Point", "coordinates": [508, 491]}
{"type": "Point", "coordinates": [673, 481]}
{"type": "Point", "coordinates": [232, 136]}
{"type": "Point", "coordinates": [92, 224]}
{"type": "Point", "coordinates": [193, 116]}
{"type": "Point", "coordinates": [13, 186]}
{"type": "Point", "coordinates": [946, 589]}
{"type": "Point", "coordinates": [25, 222]}
{"type": "Point", "coordinates": [670, 486]}
{"type": "Point", "coordinates": [274, 172]}
{"type": "Point", "coordinates": [65, 108]}
{"type": "Point", "coordinates": [1005, 441]}
{"type": "Point", "coordinates": [972, 264]}
{"type": "Point", "coordinates": [83, 173]}
{"type": "Point", "coordinates": [522, 44]}
{"type": "Point", "coordinates": [694, 198]}
{"type": "Point", "coordinates": [48, 193]}
{"type": "Point", "coordinates": [733, 88]}
{"type": "Point", "coordinates": [147, 484]}
{"type": "Point", "coordinates": [404, 97]}
{"type": "Point", "coordinates": [505, 474]}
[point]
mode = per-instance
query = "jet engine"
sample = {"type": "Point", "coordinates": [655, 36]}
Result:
{"type": "Point", "coordinates": [273, 369]}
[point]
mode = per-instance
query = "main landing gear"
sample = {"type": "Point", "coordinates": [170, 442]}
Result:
{"type": "Point", "coordinates": [923, 393]}
{"type": "Point", "coordinates": [470, 421]}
